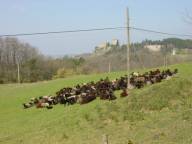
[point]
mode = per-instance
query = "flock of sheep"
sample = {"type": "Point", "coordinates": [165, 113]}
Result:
{"type": "Point", "coordinates": [103, 89]}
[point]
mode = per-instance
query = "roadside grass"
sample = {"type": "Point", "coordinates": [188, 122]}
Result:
{"type": "Point", "coordinates": [160, 113]}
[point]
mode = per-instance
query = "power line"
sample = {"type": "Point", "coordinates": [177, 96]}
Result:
{"type": "Point", "coordinates": [159, 32]}
{"type": "Point", "coordinates": [96, 29]}
{"type": "Point", "coordinates": [60, 32]}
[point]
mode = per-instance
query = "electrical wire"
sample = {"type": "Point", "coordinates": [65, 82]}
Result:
{"type": "Point", "coordinates": [60, 32]}
{"type": "Point", "coordinates": [159, 32]}
{"type": "Point", "coordinates": [96, 29]}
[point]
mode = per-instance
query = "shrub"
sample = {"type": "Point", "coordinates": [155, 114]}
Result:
{"type": "Point", "coordinates": [63, 73]}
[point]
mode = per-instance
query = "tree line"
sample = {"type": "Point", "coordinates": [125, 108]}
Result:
{"type": "Point", "coordinates": [22, 62]}
{"type": "Point", "coordinates": [176, 42]}
{"type": "Point", "coordinates": [32, 65]}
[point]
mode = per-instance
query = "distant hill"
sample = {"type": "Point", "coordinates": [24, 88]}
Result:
{"type": "Point", "coordinates": [176, 42]}
{"type": "Point", "coordinates": [21, 62]}
{"type": "Point", "coordinates": [116, 58]}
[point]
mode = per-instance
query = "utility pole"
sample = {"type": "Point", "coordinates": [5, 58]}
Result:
{"type": "Point", "coordinates": [128, 48]}
{"type": "Point", "coordinates": [109, 70]}
{"type": "Point", "coordinates": [165, 56]}
{"type": "Point", "coordinates": [164, 59]}
{"type": "Point", "coordinates": [18, 71]}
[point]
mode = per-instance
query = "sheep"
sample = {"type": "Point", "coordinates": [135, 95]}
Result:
{"type": "Point", "coordinates": [104, 89]}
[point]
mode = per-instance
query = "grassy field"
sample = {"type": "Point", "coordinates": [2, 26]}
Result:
{"type": "Point", "coordinates": [156, 114]}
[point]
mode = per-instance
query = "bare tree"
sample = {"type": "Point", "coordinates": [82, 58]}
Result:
{"type": "Point", "coordinates": [187, 17]}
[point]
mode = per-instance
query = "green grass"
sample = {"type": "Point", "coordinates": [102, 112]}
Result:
{"type": "Point", "coordinates": [160, 113]}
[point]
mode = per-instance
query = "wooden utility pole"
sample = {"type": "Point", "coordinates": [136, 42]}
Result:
{"type": "Point", "coordinates": [109, 70]}
{"type": "Point", "coordinates": [18, 71]}
{"type": "Point", "coordinates": [165, 56]}
{"type": "Point", "coordinates": [128, 48]}
{"type": "Point", "coordinates": [164, 62]}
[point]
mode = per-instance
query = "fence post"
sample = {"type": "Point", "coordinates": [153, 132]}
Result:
{"type": "Point", "coordinates": [105, 139]}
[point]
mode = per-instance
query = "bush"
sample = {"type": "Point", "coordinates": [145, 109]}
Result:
{"type": "Point", "coordinates": [1, 81]}
{"type": "Point", "coordinates": [63, 73]}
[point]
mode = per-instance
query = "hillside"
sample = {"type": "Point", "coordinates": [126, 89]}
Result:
{"type": "Point", "coordinates": [21, 62]}
{"type": "Point", "coordinates": [160, 113]}
{"type": "Point", "coordinates": [140, 56]}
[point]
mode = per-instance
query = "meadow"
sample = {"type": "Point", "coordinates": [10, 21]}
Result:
{"type": "Point", "coordinates": [156, 114]}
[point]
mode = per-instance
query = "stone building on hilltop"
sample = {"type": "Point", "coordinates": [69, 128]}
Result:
{"type": "Point", "coordinates": [154, 48]}
{"type": "Point", "coordinates": [106, 46]}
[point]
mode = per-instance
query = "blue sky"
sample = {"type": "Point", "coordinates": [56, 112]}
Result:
{"type": "Point", "coordinates": [23, 16]}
